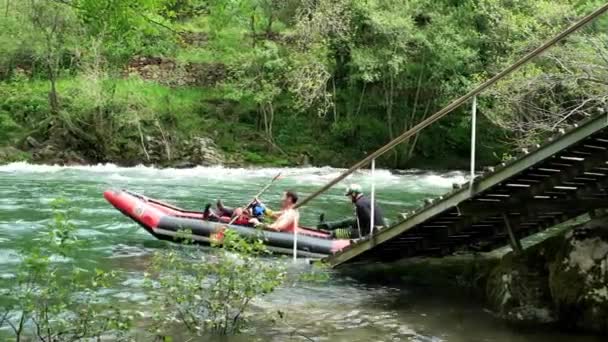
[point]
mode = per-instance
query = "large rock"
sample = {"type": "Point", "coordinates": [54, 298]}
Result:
{"type": "Point", "coordinates": [579, 278]}
{"type": "Point", "coordinates": [10, 154]}
{"type": "Point", "coordinates": [31, 142]}
{"type": "Point", "coordinates": [46, 152]}
{"type": "Point", "coordinates": [563, 279]}
{"type": "Point", "coordinates": [518, 290]}
{"type": "Point", "coordinates": [71, 158]}
{"type": "Point", "coordinates": [50, 153]}
{"type": "Point", "coordinates": [203, 151]}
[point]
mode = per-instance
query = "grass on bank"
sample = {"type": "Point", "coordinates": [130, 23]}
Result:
{"type": "Point", "coordinates": [184, 111]}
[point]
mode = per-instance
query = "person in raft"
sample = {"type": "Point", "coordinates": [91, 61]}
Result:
{"type": "Point", "coordinates": [359, 226]}
{"type": "Point", "coordinates": [256, 209]}
{"type": "Point", "coordinates": [286, 220]}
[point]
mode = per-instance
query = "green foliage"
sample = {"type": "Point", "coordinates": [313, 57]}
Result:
{"type": "Point", "coordinates": [8, 127]}
{"type": "Point", "coordinates": [210, 292]}
{"type": "Point", "coordinates": [51, 299]}
{"type": "Point", "coordinates": [269, 80]}
{"type": "Point", "coordinates": [128, 26]}
{"type": "Point", "coordinates": [320, 273]}
{"type": "Point", "coordinates": [204, 292]}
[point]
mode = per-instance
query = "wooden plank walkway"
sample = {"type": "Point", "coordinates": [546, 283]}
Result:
{"type": "Point", "coordinates": [545, 186]}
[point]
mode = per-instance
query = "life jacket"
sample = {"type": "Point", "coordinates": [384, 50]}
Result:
{"type": "Point", "coordinates": [258, 210]}
{"type": "Point", "coordinates": [241, 220]}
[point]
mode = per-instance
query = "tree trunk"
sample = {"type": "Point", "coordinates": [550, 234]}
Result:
{"type": "Point", "coordinates": [389, 101]}
{"type": "Point", "coordinates": [361, 99]}
{"type": "Point", "coordinates": [142, 140]}
{"type": "Point", "coordinates": [410, 121]}
{"type": "Point", "coordinates": [265, 117]}
{"type": "Point", "coordinates": [165, 140]}
{"type": "Point", "coordinates": [253, 37]}
{"type": "Point", "coordinates": [414, 140]}
{"type": "Point", "coordinates": [53, 98]}
{"type": "Point", "coordinates": [335, 108]}
{"type": "Point", "coordinates": [270, 122]}
{"type": "Point", "coordinates": [388, 98]}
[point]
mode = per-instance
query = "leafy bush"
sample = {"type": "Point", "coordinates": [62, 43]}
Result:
{"type": "Point", "coordinates": [211, 291]}
{"type": "Point", "coordinates": [57, 301]}
{"type": "Point", "coordinates": [8, 127]}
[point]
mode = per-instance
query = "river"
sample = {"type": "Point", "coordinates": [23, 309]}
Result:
{"type": "Point", "coordinates": [340, 310]}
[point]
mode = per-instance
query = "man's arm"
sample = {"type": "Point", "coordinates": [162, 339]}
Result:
{"type": "Point", "coordinates": [273, 214]}
{"type": "Point", "coordinates": [282, 223]}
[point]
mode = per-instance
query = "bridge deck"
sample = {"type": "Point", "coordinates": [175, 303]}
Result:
{"type": "Point", "coordinates": [564, 178]}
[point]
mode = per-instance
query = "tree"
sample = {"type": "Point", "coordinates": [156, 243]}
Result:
{"type": "Point", "coordinates": [564, 86]}
{"type": "Point", "coordinates": [53, 23]}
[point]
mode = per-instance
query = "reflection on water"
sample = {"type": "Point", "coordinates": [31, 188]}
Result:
{"type": "Point", "coordinates": [339, 310]}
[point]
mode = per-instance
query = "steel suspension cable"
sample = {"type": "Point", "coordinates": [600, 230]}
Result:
{"type": "Point", "coordinates": [456, 103]}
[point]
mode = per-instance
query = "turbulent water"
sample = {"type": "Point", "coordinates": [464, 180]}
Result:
{"type": "Point", "coordinates": [340, 310]}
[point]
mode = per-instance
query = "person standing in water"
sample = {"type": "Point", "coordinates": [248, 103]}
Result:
{"type": "Point", "coordinates": [360, 225]}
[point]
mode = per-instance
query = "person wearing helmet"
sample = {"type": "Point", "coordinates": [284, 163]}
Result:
{"type": "Point", "coordinates": [360, 225]}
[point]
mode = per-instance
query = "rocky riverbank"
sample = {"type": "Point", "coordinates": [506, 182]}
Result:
{"type": "Point", "coordinates": [151, 151]}
{"type": "Point", "coordinates": [562, 281]}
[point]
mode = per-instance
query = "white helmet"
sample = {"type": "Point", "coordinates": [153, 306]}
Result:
{"type": "Point", "coordinates": [353, 189]}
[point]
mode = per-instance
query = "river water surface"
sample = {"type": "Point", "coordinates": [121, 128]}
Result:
{"type": "Point", "coordinates": [340, 310]}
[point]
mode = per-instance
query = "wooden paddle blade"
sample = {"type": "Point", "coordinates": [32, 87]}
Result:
{"type": "Point", "coordinates": [217, 237]}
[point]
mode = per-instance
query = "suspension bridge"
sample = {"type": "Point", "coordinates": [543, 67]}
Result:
{"type": "Point", "coordinates": [546, 185]}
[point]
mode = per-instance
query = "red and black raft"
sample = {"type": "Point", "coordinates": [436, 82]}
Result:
{"type": "Point", "coordinates": [165, 221]}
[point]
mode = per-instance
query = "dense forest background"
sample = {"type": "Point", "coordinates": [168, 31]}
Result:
{"type": "Point", "coordinates": [284, 82]}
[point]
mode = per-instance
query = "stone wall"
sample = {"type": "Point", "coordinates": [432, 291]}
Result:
{"type": "Point", "coordinates": [173, 73]}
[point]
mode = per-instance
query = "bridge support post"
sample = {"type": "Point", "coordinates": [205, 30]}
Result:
{"type": "Point", "coordinates": [473, 141]}
{"type": "Point", "coordinates": [513, 240]}
{"type": "Point", "coordinates": [372, 223]}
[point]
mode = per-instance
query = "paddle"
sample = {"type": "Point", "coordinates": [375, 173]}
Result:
{"type": "Point", "coordinates": [258, 195]}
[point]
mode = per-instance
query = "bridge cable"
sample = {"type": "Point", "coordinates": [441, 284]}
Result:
{"type": "Point", "coordinates": [456, 103]}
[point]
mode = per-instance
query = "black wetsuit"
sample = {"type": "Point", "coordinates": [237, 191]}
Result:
{"type": "Point", "coordinates": [363, 213]}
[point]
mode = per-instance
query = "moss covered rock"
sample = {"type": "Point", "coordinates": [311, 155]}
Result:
{"type": "Point", "coordinates": [11, 154]}
{"type": "Point", "coordinates": [563, 279]}
{"type": "Point", "coordinates": [518, 290]}
{"type": "Point", "coordinates": [579, 278]}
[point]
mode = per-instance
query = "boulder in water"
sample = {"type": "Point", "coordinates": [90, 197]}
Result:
{"type": "Point", "coordinates": [563, 279]}
{"type": "Point", "coordinates": [517, 289]}
{"type": "Point", "coordinates": [579, 278]}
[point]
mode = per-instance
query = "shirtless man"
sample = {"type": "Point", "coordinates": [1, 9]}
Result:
{"type": "Point", "coordinates": [287, 219]}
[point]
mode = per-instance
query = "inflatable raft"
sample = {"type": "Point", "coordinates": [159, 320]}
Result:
{"type": "Point", "coordinates": [165, 221]}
